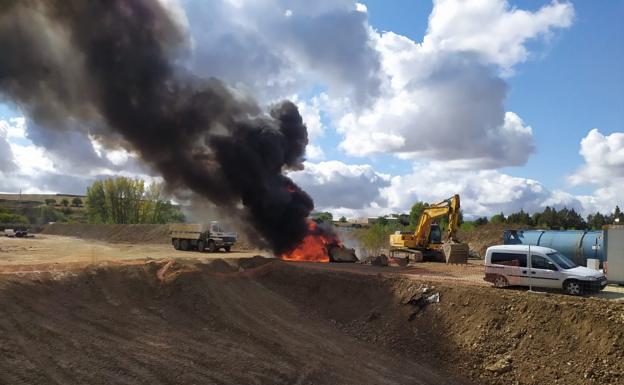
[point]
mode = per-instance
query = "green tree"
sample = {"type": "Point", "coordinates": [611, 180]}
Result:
{"type": "Point", "coordinates": [617, 214]}
{"type": "Point", "coordinates": [498, 218]}
{"type": "Point", "coordinates": [65, 202]}
{"type": "Point", "coordinates": [403, 219]}
{"type": "Point", "coordinates": [324, 216]}
{"type": "Point", "coordinates": [77, 202]}
{"type": "Point", "coordinates": [481, 221]}
{"type": "Point", "coordinates": [376, 237]}
{"type": "Point", "coordinates": [49, 214]}
{"type": "Point", "coordinates": [520, 218]}
{"type": "Point", "coordinates": [9, 217]}
{"type": "Point", "coordinates": [570, 219]}
{"type": "Point", "coordinates": [342, 219]}
{"type": "Point", "coordinates": [549, 218]}
{"type": "Point", "coordinates": [382, 221]}
{"type": "Point", "coordinates": [596, 221]}
{"type": "Point", "coordinates": [125, 200]}
{"type": "Point", "coordinates": [97, 207]}
{"type": "Point", "coordinates": [416, 211]}
{"type": "Point", "coordinates": [50, 202]}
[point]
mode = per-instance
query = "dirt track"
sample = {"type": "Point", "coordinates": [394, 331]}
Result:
{"type": "Point", "coordinates": [55, 249]}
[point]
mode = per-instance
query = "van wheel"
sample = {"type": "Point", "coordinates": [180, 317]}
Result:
{"type": "Point", "coordinates": [185, 245]}
{"type": "Point", "coordinates": [212, 247]}
{"type": "Point", "coordinates": [176, 244]}
{"type": "Point", "coordinates": [573, 287]}
{"type": "Point", "coordinates": [227, 249]}
{"type": "Point", "coordinates": [201, 246]}
{"type": "Point", "coordinates": [500, 281]}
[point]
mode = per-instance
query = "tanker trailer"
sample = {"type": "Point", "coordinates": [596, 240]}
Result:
{"type": "Point", "coordinates": [578, 245]}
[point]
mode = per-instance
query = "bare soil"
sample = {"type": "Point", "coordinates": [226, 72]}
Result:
{"type": "Point", "coordinates": [265, 321]}
{"type": "Point", "coordinates": [112, 233]}
{"type": "Point", "coordinates": [94, 312]}
{"type": "Point", "coordinates": [45, 251]}
{"type": "Point", "coordinates": [202, 323]}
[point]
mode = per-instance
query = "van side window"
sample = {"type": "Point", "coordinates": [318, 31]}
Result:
{"type": "Point", "coordinates": [538, 262]}
{"type": "Point", "coordinates": [509, 259]}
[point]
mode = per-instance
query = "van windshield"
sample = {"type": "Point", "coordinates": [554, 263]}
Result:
{"type": "Point", "coordinates": [561, 260]}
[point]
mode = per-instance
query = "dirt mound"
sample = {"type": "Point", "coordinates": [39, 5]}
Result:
{"type": "Point", "coordinates": [482, 237]}
{"type": "Point", "coordinates": [112, 233]}
{"type": "Point", "coordinates": [124, 325]}
{"type": "Point", "coordinates": [264, 321]}
{"type": "Point", "coordinates": [123, 233]}
{"type": "Point", "coordinates": [491, 336]}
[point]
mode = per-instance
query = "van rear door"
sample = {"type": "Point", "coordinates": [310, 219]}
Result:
{"type": "Point", "coordinates": [513, 265]}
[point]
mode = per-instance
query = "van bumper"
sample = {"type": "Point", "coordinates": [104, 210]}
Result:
{"type": "Point", "coordinates": [595, 285]}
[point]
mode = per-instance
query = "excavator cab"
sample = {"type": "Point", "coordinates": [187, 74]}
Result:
{"type": "Point", "coordinates": [435, 234]}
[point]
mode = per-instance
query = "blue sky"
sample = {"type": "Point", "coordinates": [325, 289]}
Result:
{"type": "Point", "coordinates": [404, 101]}
{"type": "Point", "coordinates": [573, 83]}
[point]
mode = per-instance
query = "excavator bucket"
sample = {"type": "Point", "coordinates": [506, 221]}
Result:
{"type": "Point", "coordinates": [456, 252]}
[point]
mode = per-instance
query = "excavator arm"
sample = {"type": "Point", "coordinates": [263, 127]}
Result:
{"type": "Point", "coordinates": [448, 207]}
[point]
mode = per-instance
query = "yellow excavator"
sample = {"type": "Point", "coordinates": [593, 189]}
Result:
{"type": "Point", "coordinates": [426, 241]}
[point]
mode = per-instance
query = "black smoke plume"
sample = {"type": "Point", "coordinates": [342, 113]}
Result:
{"type": "Point", "coordinates": [110, 68]}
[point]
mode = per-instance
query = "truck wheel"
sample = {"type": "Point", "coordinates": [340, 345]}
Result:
{"type": "Point", "coordinates": [500, 281]}
{"type": "Point", "coordinates": [212, 247]}
{"type": "Point", "coordinates": [201, 246]}
{"type": "Point", "coordinates": [227, 249]}
{"type": "Point", "coordinates": [176, 244]}
{"type": "Point", "coordinates": [573, 287]}
{"type": "Point", "coordinates": [185, 245]}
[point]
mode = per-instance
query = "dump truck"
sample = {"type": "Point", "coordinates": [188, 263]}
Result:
{"type": "Point", "coordinates": [200, 237]}
{"type": "Point", "coordinates": [426, 240]}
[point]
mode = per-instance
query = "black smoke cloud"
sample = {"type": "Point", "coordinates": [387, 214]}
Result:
{"type": "Point", "coordinates": [111, 67]}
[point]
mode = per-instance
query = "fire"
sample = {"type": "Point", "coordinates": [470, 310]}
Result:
{"type": "Point", "coordinates": [313, 248]}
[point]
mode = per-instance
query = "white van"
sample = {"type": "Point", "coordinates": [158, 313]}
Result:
{"type": "Point", "coordinates": [510, 265]}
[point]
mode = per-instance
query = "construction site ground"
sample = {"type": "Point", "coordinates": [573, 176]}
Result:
{"type": "Point", "coordinates": [98, 312]}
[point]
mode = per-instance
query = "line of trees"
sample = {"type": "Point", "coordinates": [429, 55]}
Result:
{"type": "Point", "coordinates": [551, 218]}
{"type": "Point", "coordinates": [376, 236]}
{"type": "Point", "coordinates": [125, 201]}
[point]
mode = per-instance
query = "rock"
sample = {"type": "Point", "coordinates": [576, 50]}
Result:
{"type": "Point", "coordinates": [381, 260]}
{"type": "Point", "coordinates": [342, 254]}
{"type": "Point", "coordinates": [501, 366]}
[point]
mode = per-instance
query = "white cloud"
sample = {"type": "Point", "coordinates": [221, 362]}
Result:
{"type": "Point", "coordinates": [482, 192]}
{"type": "Point", "coordinates": [604, 159]}
{"type": "Point", "coordinates": [30, 167]}
{"type": "Point", "coordinates": [314, 152]}
{"type": "Point", "coordinates": [273, 48]}
{"type": "Point", "coordinates": [7, 159]}
{"type": "Point", "coordinates": [494, 29]}
{"type": "Point", "coordinates": [335, 185]}
{"type": "Point", "coordinates": [311, 115]}
{"type": "Point", "coordinates": [440, 106]}
{"type": "Point", "coordinates": [31, 160]}
{"type": "Point", "coordinates": [443, 99]}
{"type": "Point", "coordinates": [603, 169]}
{"type": "Point", "coordinates": [14, 128]}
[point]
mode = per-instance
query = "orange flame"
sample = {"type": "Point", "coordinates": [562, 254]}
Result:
{"type": "Point", "coordinates": [313, 248]}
